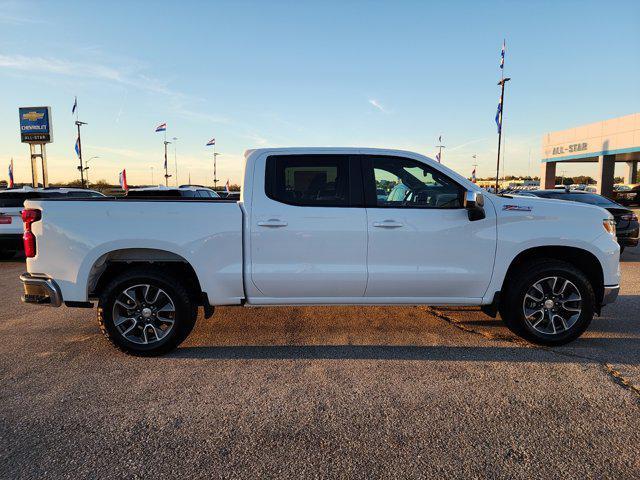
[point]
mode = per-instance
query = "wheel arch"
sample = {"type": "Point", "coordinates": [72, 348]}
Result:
{"type": "Point", "coordinates": [580, 258]}
{"type": "Point", "coordinates": [112, 263]}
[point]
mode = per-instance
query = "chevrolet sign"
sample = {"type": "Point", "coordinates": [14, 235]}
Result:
{"type": "Point", "coordinates": [35, 124]}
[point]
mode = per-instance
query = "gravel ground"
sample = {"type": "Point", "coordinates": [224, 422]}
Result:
{"type": "Point", "coordinates": [346, 392]}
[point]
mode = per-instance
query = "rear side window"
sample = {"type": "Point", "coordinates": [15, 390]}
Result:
{"type": "Point", "coordinates": [83, 194]}
{"type": "Point", "coordinates": [308, 180]}
{"type": "Point", "coordinates": [17, 199]}
{"type": "Point", "coordinates": [206, 194]}
{"type": "Point", "coordinates": [14, 199]}
{"type": "Point", "coordinates": [153, 193]}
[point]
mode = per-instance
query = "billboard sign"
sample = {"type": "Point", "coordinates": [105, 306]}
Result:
{"type": "Point", "coordinates": [35, 125]}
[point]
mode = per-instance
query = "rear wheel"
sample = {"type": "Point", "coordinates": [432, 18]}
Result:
{"type": "Point", "coordinates": [146, 312]}
{"type": "Point", "coordinates": [549, 302]}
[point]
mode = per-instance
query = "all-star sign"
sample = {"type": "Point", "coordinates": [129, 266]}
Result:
{"type": "Point", "coordinates": [35, 125]}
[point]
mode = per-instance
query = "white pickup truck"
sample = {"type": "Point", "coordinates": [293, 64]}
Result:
{"type": "Point", "coordinates": [323, 226]}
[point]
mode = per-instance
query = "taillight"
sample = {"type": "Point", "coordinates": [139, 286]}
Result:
{"type": "Point", "coordinates": [5, 220]}
{"type": "Point", "coordinates": [28, 217]}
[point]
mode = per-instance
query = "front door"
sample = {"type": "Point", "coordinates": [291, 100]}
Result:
{"type": "Point", "coordinates": [421, 243]}
{"type": "Point", "coordinates": [308, 237]}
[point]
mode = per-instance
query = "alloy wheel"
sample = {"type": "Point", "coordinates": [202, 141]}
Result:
{"type": "Point", "coordinates": [144, 314]}
{"type": "Point", "coordinates": [552, 305]}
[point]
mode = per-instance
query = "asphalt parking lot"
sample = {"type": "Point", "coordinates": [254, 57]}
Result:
{"type": "Point", "coordinates": [320, 392]}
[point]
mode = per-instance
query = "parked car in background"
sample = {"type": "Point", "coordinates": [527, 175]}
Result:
{"type": "Point", "coordinates": [628, 194]}
{"type": "Point", "coordinates": [11, 205]}
{"type": "Point", "coordinates": [233, 196]}
{"type": "Point", "coordinates": [190, 192]}
{"type": "Point", "coordinates": [626, 220]}
{"type": "Point", "coordinates": [311, 229]}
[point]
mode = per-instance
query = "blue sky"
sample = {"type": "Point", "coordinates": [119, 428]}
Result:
{"type": "Point", "coordinates": [289, 73]}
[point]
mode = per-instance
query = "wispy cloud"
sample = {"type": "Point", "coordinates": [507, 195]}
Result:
{"type": "Point", "coordinates": [10, 19]}
{"type": "Point", "coordinates": [96, 71]}
{"type": "Point", "coordinates": [127, 75]}
{"type": "Point", "coordinates": [124, 76]}
{"type": "Point", "coordinates": [123, 152]}
{"type": "Point", "coordinates": [470, 142]}
{"type": "Point", "coordinates": [18, 13]}
{"type": "Point", "coordinates": [376, 104]}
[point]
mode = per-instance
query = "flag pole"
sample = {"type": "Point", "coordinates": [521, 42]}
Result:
{"type": "Point", "coordinates": [501, 83]}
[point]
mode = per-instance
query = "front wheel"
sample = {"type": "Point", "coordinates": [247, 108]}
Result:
{"type": "Point", "coordinates": [548, 302]}
{"type": "Point", "coordinates": [146, 312]}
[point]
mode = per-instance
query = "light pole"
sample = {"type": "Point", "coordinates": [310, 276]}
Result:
{"type": "Point", "coordinates": [80, 167]}
{"type": "Point", "coordinates": [475, 168]}
{"type": "Point", "coordinates": [215, 178]}
{"type": "Point", "coordinates": [166, 165]}
{"type": "Point", "coordinates": [152, 175]}
{"type": "Point", "coordinates": [175, 157]}
{"type": "Point", "coordinates": [86, 167]}
{"type": "Point", "coordinates": [439, 147]}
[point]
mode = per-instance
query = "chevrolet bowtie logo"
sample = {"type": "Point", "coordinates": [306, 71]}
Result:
{"type": "Point", "coordinates": [32, 116]}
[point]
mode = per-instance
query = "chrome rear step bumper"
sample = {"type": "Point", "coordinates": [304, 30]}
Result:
{"type": "Point", "coordinates": [40, 290]}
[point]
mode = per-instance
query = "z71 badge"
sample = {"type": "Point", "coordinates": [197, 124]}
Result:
{"type": "Point", "coordinates": [516, 208]}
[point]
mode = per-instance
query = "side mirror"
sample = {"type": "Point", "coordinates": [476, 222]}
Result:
{"type": "Point", "coordinates": [474, 203]}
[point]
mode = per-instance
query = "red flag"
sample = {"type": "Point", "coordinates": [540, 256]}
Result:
{"type": "Point", "coordinates": [123, 180]}
{"type": "Point", "coordinates": [11, 185]}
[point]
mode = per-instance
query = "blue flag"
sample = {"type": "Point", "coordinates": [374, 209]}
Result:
{"type": "Point", "coordinates": [75, 105]}
{"type": "Point", "coordinates": [504, 46]}
{"type": "Point", "coordinates": [78, 147]}
{"type": "Point", "coordinates": [499, 116]}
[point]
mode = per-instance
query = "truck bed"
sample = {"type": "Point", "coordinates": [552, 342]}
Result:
{"type": "Point", "coordinates": [206, 233]}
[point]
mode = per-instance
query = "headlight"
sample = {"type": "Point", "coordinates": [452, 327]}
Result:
{"type": "Point", "coordinates": [609, 225]}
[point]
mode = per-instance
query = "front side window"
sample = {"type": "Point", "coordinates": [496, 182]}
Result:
{"type": "Point", "coordinates": [308, 180]}
{"type": "Point", "coordinates": [405, 183]}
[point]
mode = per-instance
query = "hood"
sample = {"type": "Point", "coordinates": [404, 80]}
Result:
{"type": "Point", "coordinates": [536, 206]}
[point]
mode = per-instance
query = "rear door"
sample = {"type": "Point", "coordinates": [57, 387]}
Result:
{"type": "Point", "coordinates": [308, 229]}
{"type": "Point", "coordinates": [421, 243]}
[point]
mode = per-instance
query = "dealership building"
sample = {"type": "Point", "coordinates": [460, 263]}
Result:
{"type": "Point", "coordinates": [605, 143]}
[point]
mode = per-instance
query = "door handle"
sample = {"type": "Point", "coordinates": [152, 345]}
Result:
{"type": "Point", "coordinates": [273, 222]}
{"type": "Point", "coordinates": [387, 224]}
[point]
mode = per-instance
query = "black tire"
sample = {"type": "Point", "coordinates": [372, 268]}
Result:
{"type": "Point", "coordinates": [184, 316]}
{"type": "Point", "coordinates": [522, 280]}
